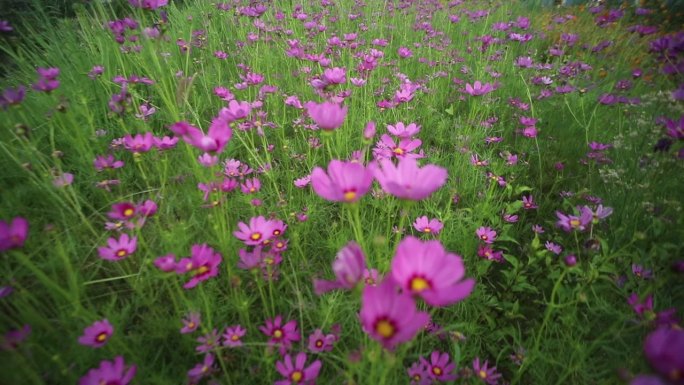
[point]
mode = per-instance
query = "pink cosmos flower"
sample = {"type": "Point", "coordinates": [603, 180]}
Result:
{"type": "Point", "coordinates": [572, 222]}
{"type": "Point", "coordinates": [215, 140]}
{"type": "Point", "coordinates": [103, 162]}
{"type": "Point", "coordinates": [138, 143]}
{"type": "Point", "coordinates": [388, 316]}
{"type": "Point", "coordinates": [327, 115]}
{"type": "Point", "coordinates": [528, 202]}
{"type": "Point", "coordinates": [97, 335]}
{"type": "Point", "coordinates": [344, 182]}
{"type": "Point", "coordinates": [13, 234]}
{"type": "Point", "coordinates": [486, 252]}
{"type": "Point", "coordinates": [484, 373]}
{"type": "Point", "coordinates": [418, 374]}
{"type": "Point", "coordinates": [11, 340]}
{"type": "Point", "coordinates": [148, 4]}
{"type": "Point", "coordinates": [251, 186]}
{"type": "Point", "coordinates": [281, 335]}
{"type": "Point", "coordinates": [427, 270]}
{"type": "Point", "coordinates": [63, 180]}
{"type": "Point", "coordinates": [191, 323]}
{"type": "Point", "coordinates": [439, 367]}
{"type": "Point", "coordinates": [202, 264]}
{"type": "Point", "coordinates": [334, 75]}
{"type": "Point", "coordinates": [387, 148]}
{"type": "Point", "coordinates": [428, 226]}
{"type": "Point", "coordinates": [486, 235]}
{"type": "Point", "coordinates": [232, 336]}
{"type": "Point", "coordinates": [109, 372]}
{"type": "Point", "coordinates": [208, 342]}
{"type": "Point", "coordinates": [403, 131]}
{"type": "Point", "coordinates": [166, 263]}
{"type": "Point", "coordinates": [118, 249]}
{"type": "Point", "coordinates": [406, 180]}
{"type": "Point", "coordinates": [478, 88]}
{"type": "Point", "coordinates": [202, 369]}
{"type": "Point", "coordinates": [258, 232]}
{"type": "Point", "coordinates": [296, 373]}
{"type": "Point", "coordinates": [349, 265]}
{"type": "Point", "coordinates": [320, 342]}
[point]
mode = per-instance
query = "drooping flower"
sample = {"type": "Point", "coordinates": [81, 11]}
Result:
{"type": "Point", "coordinates": [390, 317]}
{"type": "Point", "coordinates": [327, 115]}
{"type": "Point", "coordinates": [406, 180]}
{"type": "Point", "coordinates": [427, 270]}
{"type": "Point", "coordinates": [349, 265]}
{"type": "Point", "coordinates": [428, 226]}
{"type": "Point", "coordinates": [344, 181]}
{"type": "Point", "coordinates": [296, 372]}
{"type": "Point", "coordinates": [439, 367]}
{"type": "Point", "coordinates": [97, 335]}
{"type": "Point", "coordinates": [118, 249]}
{"type": "Point", "coordinates": [109, 372]}
{"type": "Point", "coordinates": [13, 234]}
{"type": "Point", "coordinates": [281, 335]}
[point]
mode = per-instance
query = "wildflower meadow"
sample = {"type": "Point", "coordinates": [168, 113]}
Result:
{"type": "Point", "coordinates": [342, 192]}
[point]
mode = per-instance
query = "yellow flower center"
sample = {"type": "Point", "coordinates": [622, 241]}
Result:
{"type": "Point", "coordinates": [482, 374]}
{"type": "Point", "coordinates": [385, 329]}
{"type": "Point", "coordinates": [128, 212]}
{"type": "Point", "coordinates": [255, 236]}
{"type": "Point", "coordinates": [202, 270]}
{"type": "Point", "coordinates": [296, 376]}
{"type": "Point", "coordinates": [278, 333]}
{"type": "Point", "coordinates": [419, 284]}
{"type": "Point", "coordinates": [121, 253]}
{"type": "Point", "coordinates": [416, 377]}
{"type": "Point", "coordinates": [191, 325]}
{"type": "Point", "coordinates": [574, 222]}
{"type": "Point", "coordinates": [188, 266]}
{"type": "Point", "coordinates": [437, 371]}
{"type": "Point", "coordinates": [427, 230]}
{"type": "Point", "coordinates": [276, 232]}
{"type": "Point", "coordinates": [350, 196]}
{"type": "Point", "coordinates": [101, 337]}
{"type": "Point", "coordinates": [319, 343]}
{"type": "Point", "coordinates": [234, 337]}
{"type": "Point", "coordinates": [279, 245]}
{"type": "Point", "coordinates": [398, 151]}
{"type": "Point", "coordinates": [252, 190]}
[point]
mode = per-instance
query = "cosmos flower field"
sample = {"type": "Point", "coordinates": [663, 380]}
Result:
{"type": "Point", "coordinates": [342, 192]}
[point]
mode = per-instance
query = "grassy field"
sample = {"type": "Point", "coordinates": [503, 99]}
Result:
{"type": "Point", "coordinates": [379, 192]}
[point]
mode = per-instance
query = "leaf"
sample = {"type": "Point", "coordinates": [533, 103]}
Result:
{"type": "Point", "coordinates": [450, 111]}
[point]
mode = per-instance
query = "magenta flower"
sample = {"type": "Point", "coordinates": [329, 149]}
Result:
{"type": "Point", "coordinates": [484, 373]}
{"type": "Point", "coordinates": [528, 202]}
{"type": "Point", "coordinates": [344, 181]}
{"type": "Point", "coordinates": [97, 335]}
{"type": "Point", "coordinates": [664, 349]}
{"type": "Point", "coordinates": [281, 335]}
{"type": "Point", "coordinates": [166, 263]}
{"type": "Point", "coordinates": [258, 232]}
{"type": "Point", "coordinates": [215, 140]}
{"type": "Point", "coordinates": [327, 115]}
{"type": "Point", "coordinates": [251, 186]}
{"type": "Point", "coordinates": [232, 336]}
{"type": "Point", "coordinates": [406, 180]}
{"type": "Point", "coordinates": [390, 317]}
{"type": "Point", "coordinates": [109, 372]}
{"type": "Point", "coordinates": [118, 249]}
{"type": "Point", "coordinates": [14, 337]}
{"type": "Point", "coordinates": [191, 323]}
{"type": "Point", "coordinates": [478, 88]}
{"type": "Point", "coordinates": [439, 367]}
{"type": "Point", "coordinates": [139, 143]}
{"type": "Point", "coordinates": [428, 226]}
{"type": "Point", "coordinates": [334, 75]}
{"type": "Point", "coordinates": [427, 270]}
{"type": "Point", "coordinates": [349, 265]}
{"type": "Point", "coordinates": [403, 131]}
{"type": "Point", "coordinates": [486, 252]}
{"type": "Point", "coordinates": [202, 265]}
{"type": "Point", "coordinates": [103, 162]}
{"type": "Point", "coordinates": [202, 369]}
{"type": "Point", "coordinates": [486, 235]}
{"type": "Point", "coordinates": [387, 148]}
{"type": "Point", "coordinates": [208, 342]}
{"type": "Point", "coordinates": [63, 180]}
{"type": "Point", "coordinates": [148, 4]}
{"type": "Point", "coordinates": [418, 374]}
{"type": "Point", "coordinates": [296, 373]}
{"type": "Point", "coordinates": [12, 96]}
{"type": "Point", "coordinates": [13, 234]}
{"type": "Point", "coordinates": [572, 222]}
{"type": "Point", "coordinates": [320, 342]}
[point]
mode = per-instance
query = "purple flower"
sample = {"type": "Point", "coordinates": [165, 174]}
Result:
{"type": "Point", "coordinates": [528, 202]}
{"type": "Point", "coordinates": [148, 4]}
{"type": "Point", "coordinates": [12, 96]}
{"type": "Point", "coordinates": [344, 181]}
{"type": "Point", "coordinates": [109, 372]}
{"type": "Point", "coordinates": [103, 162]}
{"type": "Point", "coordinates": [403, 131]}
{"type": "Point", "coordinates": [208, 342]}
{"type": "Point", "coordinates": [118, 249]}
{"type": "Point", "coordinates": [97, 335]}
{"type": "Point", "coordinates": [14, 337]}
{"type": "Point", "coordinates": [484, 373]}
{"type": "Point", "coordinates": [406, 180]}
{"type": "Point", "coordinates": [202, 265]}
{"type": "Point", "coordinates": [63, 180]}
{"type": "Point", "coordinates": [388, 316]}
{"type": "Point", "coordinates": [191, 323]}
{"type": "Point", "coordinates": [258, 232]}
{"type": "Point", "coordinates": [478, 88]}
{"type": "Point", "coordinates": [327, 115]}
{"type": "Point", "coordinates": [439, 367]}
{"type": "Point", "coordinates": [281, 335]}
{"type": "Point", "coordinates": [296, 373]}
{"type": "Point", "coordinates": [427, 270]}
{"type": "Point", "coordinates": [552, 247]}
{"type": "Point", "coordinates": [664, 349]}
{"type": "Point", "coordinates": [202, 369]}
{"type": "Point", "coordinates": [320, 342]}
{"type": "Point", "coordinates": [418, 374]}
{"type": "Point", "coordinates": [232, 336]}
{"type": "Point", "coordinates": [486, 235]}
{"type": "Point", "coordinates": [139, 143]}
{"type": "Point", "coordinates": [572, 222]}
{"type": "Point", "coordinates": [349, 265]}
{"type": "Point", "coordinates": [428, 226]}
{"type": "Point", "coordinates": [13, 234]}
